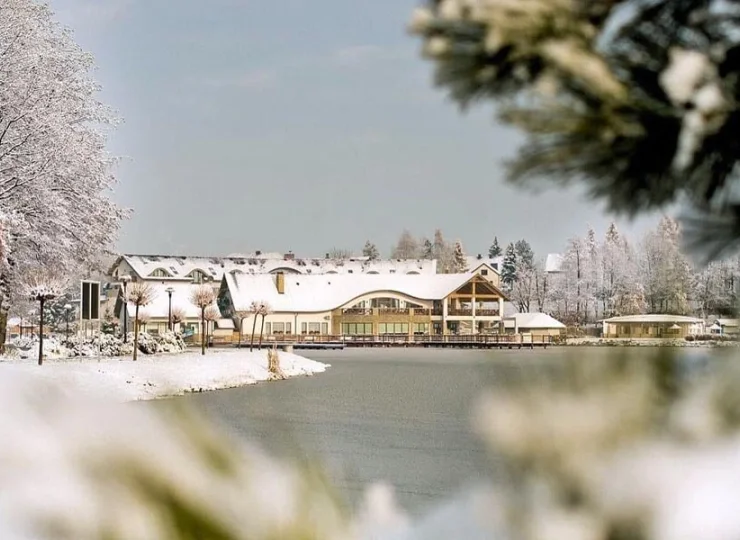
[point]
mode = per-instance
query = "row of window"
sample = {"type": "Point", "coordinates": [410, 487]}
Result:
{"type": "Point", "coordinates": [286, 328]}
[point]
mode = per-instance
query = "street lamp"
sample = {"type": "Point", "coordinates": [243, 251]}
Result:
{"type": "Point", "coordinates": [124, 282]}
{"type": "Point", "coordinates": [67, 310]}
{"type": "Point", "coordinates": [169, 291]}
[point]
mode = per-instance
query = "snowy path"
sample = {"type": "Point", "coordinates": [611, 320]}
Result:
{"type": "Point", "coordinates": [153, 377]}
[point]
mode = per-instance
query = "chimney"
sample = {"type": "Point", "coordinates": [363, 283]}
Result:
{"type": "Point", "coordinates": [257, 253]}
{"type": "Point", "coordinates": [480, 256]}
{"type": "Point", "coordinates": [289, 256]}
{"type": "Point", "coordinates": [280, 282]}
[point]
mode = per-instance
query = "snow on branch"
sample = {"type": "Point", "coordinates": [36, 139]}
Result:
{"type": "Point", "coordinates": [42, 285]}
{"type": "Point", "coordinates": [203, 296]}
{"type": "Point", "coordinates": [141, 293]}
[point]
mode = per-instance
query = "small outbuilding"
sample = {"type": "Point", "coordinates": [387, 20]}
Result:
{"type": "Point", "coordinates": [652, 326]}
{"type": "Point", "coordinates": [536, 324]}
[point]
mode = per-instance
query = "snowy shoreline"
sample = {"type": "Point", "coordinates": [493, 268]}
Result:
{"type": "Point", "coordinates": [161, 376]}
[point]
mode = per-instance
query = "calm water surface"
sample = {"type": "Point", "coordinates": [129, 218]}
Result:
{"type": "Point", "coordinates": [401, 416]}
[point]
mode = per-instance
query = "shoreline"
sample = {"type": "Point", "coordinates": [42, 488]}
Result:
{"type": "Point", "coordinates": [628, 342]}
{"type": "Point", "coordinates": [161, 376]}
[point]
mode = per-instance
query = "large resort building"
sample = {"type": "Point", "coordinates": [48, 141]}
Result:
{"type": "Point", "coordinates": [353, 297]}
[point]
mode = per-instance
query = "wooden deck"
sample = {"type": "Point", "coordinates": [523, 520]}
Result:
{"type": "Point", "coordinates": [454, 342]}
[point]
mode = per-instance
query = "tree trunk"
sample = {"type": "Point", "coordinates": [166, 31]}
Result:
{"type": "Point", "coordinates": [262, 329]}
{"type": "Point", "coordinates": [254, 328]}
{"type": "Point", "coordinates": [136, 332]}
{"type": "Point", "coordinates": [202, 331]}
{"type": "Point", "coordinates": [41, 331]}
{"type": "Point", "coordinates": [4, 308]}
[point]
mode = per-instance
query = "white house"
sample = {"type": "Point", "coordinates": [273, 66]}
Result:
{"type": "Point", "coordinates": [536, 324]}
{"type": "Point", "coordinates": [364, 304]}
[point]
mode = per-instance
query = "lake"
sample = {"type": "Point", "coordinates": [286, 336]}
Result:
{"type": "Point", "coordinates": [396, 415]}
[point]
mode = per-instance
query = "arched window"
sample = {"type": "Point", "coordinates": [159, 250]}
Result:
{"type": "Point", "coordinates": [160, 272]}
{"type": "Point", "coordinates": [198, 276]}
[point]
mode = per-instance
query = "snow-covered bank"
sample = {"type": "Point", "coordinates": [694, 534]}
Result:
{"type": "Point", "coordinates": [161, 376]}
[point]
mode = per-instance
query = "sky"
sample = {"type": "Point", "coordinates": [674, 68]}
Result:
{"type": "Point", "coordinates": [279, 125]}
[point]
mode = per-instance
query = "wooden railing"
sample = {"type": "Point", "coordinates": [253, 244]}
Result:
{"type": "Point", "coordinates": [402, 338]}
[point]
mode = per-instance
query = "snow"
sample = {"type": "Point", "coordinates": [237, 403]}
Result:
{"type": "Point", "coordinates": [154, 377]}
{"type": "Point", "coordinates": [159, 306]}
{"type": "Point", "coordinates": [554, 262]}
{"type": "Point", "coordinates": [654, 318]}
{"type": "Point", "coordinates": [315, 294]}
{"type": "Point", "coordinates": [180, 268]}
{"type": "Point", "coordinates": [536, 320]}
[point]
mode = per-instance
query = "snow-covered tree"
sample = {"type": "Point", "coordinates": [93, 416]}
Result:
{"type": "Point", "coordinates": [509, 267]}
{"type": "Point", "coordinates": [459, 260]}
{"type": "Point", "coordinates": [407, 247]}
{"type": "Point", "coordinates": [427, 249]}
{"type": "Point", "coordinates": [524, 255]}
{"type": "Point", "coordinates": [55, 174]}
{"type": "Point", "coordinates": [178, 316]}
{"type": "Point", "coordinates": [495, 250]}
{"type": "Point", "coordinates": [371, 251]}
{"type": "Point", "coordinates": [634, 98]}
{"type": "Point", "coordinates": [339, 254]}
{"type": "Point", "coordinates": [443, 252]}
{"type": "Point", "coordinates": [140, 294]}
{"type": "Point", "coordinates": [210, 316]}
{"type": "Point", "coordinates": [203, 297]}
{"type": "Point", "coordinates": [42, 286]}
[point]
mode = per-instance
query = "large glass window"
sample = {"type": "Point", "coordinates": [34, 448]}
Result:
{"type": "Point", "coordinates": [393, 328]}
{"type": "Point", "coordinates": [421, 328]}
{"type": "Point", "coordinates": [325, 328]}
{"type": "Point", "coordinates": [357, 329]}
{"type": "Point", "coordinates": [314, 328]}
{"type": "Point", "coordinates": [278, 328]}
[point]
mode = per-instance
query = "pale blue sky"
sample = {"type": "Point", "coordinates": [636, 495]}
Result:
{"type": "Point", "coordinates": [301, 125]}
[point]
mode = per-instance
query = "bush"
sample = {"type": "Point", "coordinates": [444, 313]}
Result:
{"type": "Point", "coordinates": [689, 338]}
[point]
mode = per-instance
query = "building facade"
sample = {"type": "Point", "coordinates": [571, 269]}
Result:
{"type": "Point", "coordinates": [363, 305]}
{"type": "Point", "coordinates": [652, 326]}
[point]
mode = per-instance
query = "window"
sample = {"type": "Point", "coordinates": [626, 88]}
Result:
{"type": "Point", "coordinates": [357, 329]}
{"type": "Point", "coordinates": [421, 328]}
{"type": "Point", "coordinates": [314, 328]}
{"type": "Point", "coordinates": [484, 272]}
{"type": "Point", "coordinates": [268, 328]}
{"type": "Point", "coordinates": [159, 272]}
{"type": "Point", "coordinates": [278, 328]}
{"type": "Point", "coordinates": [288, 328]}
{"type": "Point", "coordinates": [393, 328]}
{"type": "Point", "coordinates": [304, 328]}
{"type": "Point", "coordinates": [325, 328]}
{"type": "Point", "coordinates": [197, 276]}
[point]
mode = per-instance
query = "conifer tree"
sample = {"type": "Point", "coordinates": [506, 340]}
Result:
{"type": "Point", "coordinates": [508, 268]}
{"type": "Point", "coordinates": [459, 261]}
{"type": "Point", "coordinates": [495, 250]}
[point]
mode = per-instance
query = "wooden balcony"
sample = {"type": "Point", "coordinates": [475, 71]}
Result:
{"type": "Point", "coordinates": [463, 312]}
{"type": "Point", "coordinates": [357, 311]}
{"type": "Point", "coordinates": [487, 312]}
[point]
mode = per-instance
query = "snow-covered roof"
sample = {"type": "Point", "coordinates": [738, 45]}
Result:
{"type": "Point", "coordinates": [728, 322]}
{"type": "Point", "coordinates": [159, 308]}
{"type": "Point", "coordinates": [180, 268]}
{"type": "Point", "coordinates": [315, 294]}
{"type": "Point", "coordinates": [475, 262]}
{"type": "Point", "coordinates": [535, 321]}
{"type": "Point", "coordinates": [554, 262]}
{"type": "Point", "coordinates": [653, 318]}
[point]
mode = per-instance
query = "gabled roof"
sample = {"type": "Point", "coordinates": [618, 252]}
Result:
{"type": "Point", "coordinates": [180, 267]}
{"type": "Point", "coordinates": [554, 262]}
{"type": "Point", "coordinates": [159, 308]}
{"type": "Point", "coordinates": [493, 263]}
{"type": "Point", "coordinates": [536, 321]}
{"type": "Point", "coordinates": [653, 318]}
{"type": "Point", "coordinates": [315, 294]}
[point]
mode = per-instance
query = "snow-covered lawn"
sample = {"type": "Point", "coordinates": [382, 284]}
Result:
{"type": "Point", "coordinates": [153, 377]}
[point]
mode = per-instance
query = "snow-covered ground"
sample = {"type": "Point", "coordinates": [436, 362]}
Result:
{"type": "Point", "coordinates": [153, 377]}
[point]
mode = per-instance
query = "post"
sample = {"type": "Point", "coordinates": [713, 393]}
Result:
{"type": "Point", "coordinates": [170, 290]}
{"type": "Point", "coordinates": [67, 309]}
{"type": "Point", "coordinates": [41, 330]}
{"type": "Point", "coordinates": [254, 327]}
{"type": "Point", "coordinates": [124, 282]}
{"type": "Point", "coordinates": [202, 330]}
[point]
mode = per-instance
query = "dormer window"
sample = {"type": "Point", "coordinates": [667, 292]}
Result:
{"type": "Point", "coordinates": [198, 276]}
{"type": "Point", "coordinates": [160, 273]}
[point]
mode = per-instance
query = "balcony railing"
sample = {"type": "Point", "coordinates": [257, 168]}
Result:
{"type": "Point", "coordinates": [487, 312]}
{"type": "Point", "coordinates": [357, 311]}
{"type": "Point", "coordinates": [462, 312]}
{"type": "Point", "coordinates": [393, 310]}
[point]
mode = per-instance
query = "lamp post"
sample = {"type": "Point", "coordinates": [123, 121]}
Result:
{"type": "Point", "coordinates": [124, 283]}
{"type": "Point", "coordinates": [67, 310]}
{"type": "Point", "coordinates": [169, 291]}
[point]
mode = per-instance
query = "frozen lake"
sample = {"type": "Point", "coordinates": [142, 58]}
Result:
{"type": "Point", "coordinates": [399, 415]}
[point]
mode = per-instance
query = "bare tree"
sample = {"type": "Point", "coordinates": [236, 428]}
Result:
{"type": "Point", "coordinates": [264, 311]}
{"type": "Point", "coordinates": [42, 287]}
{"type": "Point", "coordinates": [254, 309]}
{"type": "Point", "coordinates": [178, 316]}
{"type": "Point", "coordinates": [211, 316]}
{"type": "Point", "coordinates": [406, 248]}
{"type": "Point", "coordinates": [140, 294]}
{"type": "Point", "coordinates": [340, 254]}
{"type": "Point", "coordinates": [203, 297]}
